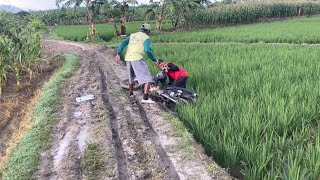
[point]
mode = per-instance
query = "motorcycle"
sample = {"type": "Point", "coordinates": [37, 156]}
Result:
{"type": "Point", "coordinates": [172, 95]}
{"type": "Point", "coordinates": [169, 96]}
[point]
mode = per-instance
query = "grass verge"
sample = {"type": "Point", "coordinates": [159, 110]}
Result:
{"type": "Point", "coordinates": [187, 144]}
{"type": "Point", "coordinates": [179, 130]}
{"type": "Point", "coordinates": [25, 159]}
{"type": "Point", "coordinates": [93, 160]}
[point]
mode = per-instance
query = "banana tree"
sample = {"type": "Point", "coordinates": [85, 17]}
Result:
{"type": "Point", "coordinates": [206, 2]}
{"type": "Point", "coordinates": [124, 6]}
{"type": "Point", "coordinates": [175, 9]}
{"type": "Point", "coordinates": [90, 5]}
{"type": "Point", "coordinates": [112, 13]}
{"type": "Point", "coordinates": [116, 12]}
{"type": "Point", "coordinates": [158, 11]}
{"type": "Point", "coordinates": [179, 8]}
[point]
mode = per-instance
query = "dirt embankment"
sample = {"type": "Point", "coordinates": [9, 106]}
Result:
{"type": "Point", "coordinates": [134, 141]}
{"type": "Point", "coordinates": [16, 105]}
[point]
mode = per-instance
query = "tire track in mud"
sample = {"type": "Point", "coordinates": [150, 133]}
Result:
{"type": "Point", "coordinates": [121, 158]}
{"type": "Point", "coordinates": [163, 158]}
{"type": "Point", "coordinates": [148, 133]}
{"type": "Point", "coordinates": [172, 174]}
{"type": "Point", "coordinates": [143, 161]}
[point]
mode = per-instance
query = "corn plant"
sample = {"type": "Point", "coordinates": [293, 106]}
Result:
{"type": "Point", "coordinates": [19, 48]}
{"type": "Point", "coordinates": [249, 13]}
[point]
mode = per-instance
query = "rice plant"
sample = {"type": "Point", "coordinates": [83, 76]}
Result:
{"type": "Point", "coordinates": [258, 111]}
{"type": "Point", "coordinates": [300, 30]}
{"type": "Point", "coordinates": [104, 31]}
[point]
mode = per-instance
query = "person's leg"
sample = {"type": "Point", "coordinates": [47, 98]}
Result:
{"type": "Point", "coordinates": [144, 77]}
{"type": "Point", "coordinates": [163, 82]}
{"type": "Point", "coordinates": [156, 81]}
{"type": "Point", "coordinates": [130, 77]}
{"type": "Point", "coordinates": [146, 91]}
{"type": "Point", "coordinates": [182, 82]}
{"type": "Point", "coordinates": [170, 81]}
{"type": "Point", "coordinates": [131, 89]}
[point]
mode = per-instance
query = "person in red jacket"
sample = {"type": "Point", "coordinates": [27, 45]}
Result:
{"type": "Point", "coordinates": [177, 75]}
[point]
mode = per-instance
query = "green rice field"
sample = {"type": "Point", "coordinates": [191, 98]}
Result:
{"type": "Point", "coordinates": [300, 30]}
{"type": "Point", "coordinates": [258, 109]}
{"type": "Point", "coordinates": [258, 113]}
{"type": "Point", "coordinates": [105, 31]}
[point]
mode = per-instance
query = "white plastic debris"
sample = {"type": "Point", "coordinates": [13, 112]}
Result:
{"type": "Point", "coordinates": [85, 98]}
{"type": "Point", "coordinates": [77, 114]}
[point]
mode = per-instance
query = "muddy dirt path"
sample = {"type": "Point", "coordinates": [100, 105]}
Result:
{"type": "Point", "coordinates": [135, 141]}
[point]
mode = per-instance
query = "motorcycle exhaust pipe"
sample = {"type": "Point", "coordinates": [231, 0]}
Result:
{"type": "Point", "coordinates": [168, 97]}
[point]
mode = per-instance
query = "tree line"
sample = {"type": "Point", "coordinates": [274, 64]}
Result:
{"type": "Point", "coordinates": [118, 11]}
{"type": "Point", "coordinates": [179, 12]}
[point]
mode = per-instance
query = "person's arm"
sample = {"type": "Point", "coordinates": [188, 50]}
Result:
{"type": "Point", "coordinates": [170, 81]}
{"type": "Point", "coordinates": [148, 50]}
{"type": "Point", "coordinates": [123, 45]}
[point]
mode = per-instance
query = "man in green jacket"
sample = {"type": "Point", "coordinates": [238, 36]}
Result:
{"type": "Point", "coordinates": [138, 44]}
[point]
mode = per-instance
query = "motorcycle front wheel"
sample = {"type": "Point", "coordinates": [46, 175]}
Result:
{"type": "Point", "coordinates": [125, 84]}
{"type": "Point", "coordinates": [172, 105]}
